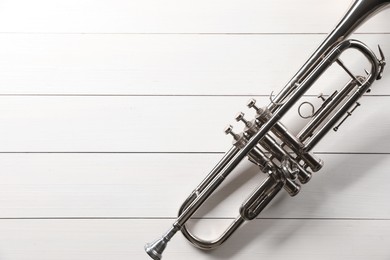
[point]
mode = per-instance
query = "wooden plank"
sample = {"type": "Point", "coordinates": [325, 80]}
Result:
{"type": "Point", "coordinates": [174, 16]}
{"type": "Point", "coordinates": [161, 124]}
{"type": "Point", "coordinates": [155, 185]}
{"type": "Point", "coordinates": [115, 64]}
{"type": "Point", "coordinates": [124, 239]}
{"type": "Point", "coordinates": [110, 113]}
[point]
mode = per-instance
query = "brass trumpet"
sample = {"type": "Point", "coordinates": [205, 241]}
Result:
{"type": "Point", "coordinates": [286, 158]}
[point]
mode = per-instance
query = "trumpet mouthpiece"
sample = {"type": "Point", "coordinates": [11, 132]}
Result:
{"type": "Point", "coordinates": [156, 248]}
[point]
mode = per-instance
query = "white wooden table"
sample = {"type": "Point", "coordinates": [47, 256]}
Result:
{"type": "Point", "coordinates": [111, 112]}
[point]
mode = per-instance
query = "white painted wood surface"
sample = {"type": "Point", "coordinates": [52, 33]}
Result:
{"type": "Point", "coordinates": [111, 113]}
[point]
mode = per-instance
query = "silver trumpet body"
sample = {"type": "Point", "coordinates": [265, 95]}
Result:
{"type": "Point", "coordinates": [286, 158]}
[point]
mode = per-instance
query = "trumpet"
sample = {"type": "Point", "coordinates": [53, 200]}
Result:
{"type": "Point", "coordinates": [284, 157]}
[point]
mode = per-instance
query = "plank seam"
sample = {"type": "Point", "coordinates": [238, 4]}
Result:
{"type": "Point", "coordinates": [106, 152]}
{"type": "Point", "coordinates": [182, 33]}
{"type": "Point", "coordinates": [158, 95]}
{"type": "Point", "coordinates": [197, 218]}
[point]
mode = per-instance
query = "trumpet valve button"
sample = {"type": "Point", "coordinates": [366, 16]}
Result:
{"type": "Point", "coordinates": [252, 104]}
{"type": "Point", "coordinates": [240, 117]}
{"type": "Point", "coordinates": [229, 131]}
